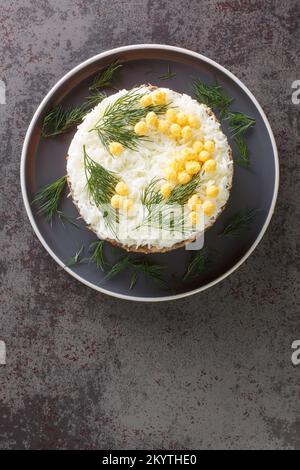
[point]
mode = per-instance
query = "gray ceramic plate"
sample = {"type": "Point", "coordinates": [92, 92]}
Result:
{"type": "Point", "coordinates": [43, 160]}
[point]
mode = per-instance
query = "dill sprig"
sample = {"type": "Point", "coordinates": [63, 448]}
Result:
{"type": "Point", "coordinates": [76, 258]}
{"type": "Point", "coordinates": [101, 182]}
{"type": "Point", "coordinates": [198, 263]}
{"type": "Point", "coordinates": [239, 123]}
{"type": "Point", "coordinates": [104, 78]}
{"type": "Point", "coordinates": [212, 95]}
{"type": "Point", "coordinates": [94, 98]}
{"type": "Point", "coordinates": [150, 270]}
{"type": "Point", "coordinates": [97, 256]}
{"type": "Point", "coordinates": [151, 195]}
{"type": "Point", "coordinates": [243, 150]}
{"type": "Point", "coordinates": [161, 211]}
{"type": "Point", "coordinates": [181, 193]}
{"type": "Point", "coordinates": [168, 75]}
{"type": "Point", "coordinates": [60, 120]}
{"type": "Point", "coordinates": [49, 197]}
{"type": "Point", "coordinates": [119, 118]}
{"type": "Point", "coordinates": [101, 185]}
{"type": "Point", "coordinates": [117, 268]}
{"type": "Point", "coordinates": [133, 280]}
{"type": "Point", "coordinates": [239, 223]}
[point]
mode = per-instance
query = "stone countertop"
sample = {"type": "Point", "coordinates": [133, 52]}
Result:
{"type": "Point", "coordinates": [88, 371]}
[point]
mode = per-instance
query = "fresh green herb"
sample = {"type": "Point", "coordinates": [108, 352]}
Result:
{"type": "Point", "coordinates": [48, 199]}
{"type": "Point", "coordinates": [199, 262]}
{"type": "Point", "coordinates": [63, 216]}
{"type": "Point", "coordinates": [161, 211]}
{"type": "Point", "coordinates": [212, 95]}
{"type": "Point", "coordinates": [240, 222]}
{"type": "Point", "coordinates": [239, 123]}
{"type": "Point", "coordinates": [150, 270]}
{"type": "Point", "coordinates": [133, 280]}
{"type": "Point", "coordinates": [119, 118]}
{"type": "Point", "coordinates": [168, 75]}
{"type": "Point", "coordinates": [243, 150]}
{"type": "Point", "coordinates": [101, 185]}
{"type": "Point", "coordinates": [97, 256]}
{"type": "Point", "coordinates": [181, 193]}
{"type": "Point", "coordinates": [93, 99]}
{"type": "Point", "coordinates": [59, 120]}
{"type": "Point", "coordinates": [117, 268]}
{"type": "Point", "coordinates": [75, 259]}
{"type": "Point", "coordinates": [151, 195]}
{"type": "Point", "coordinates": [104, 79]}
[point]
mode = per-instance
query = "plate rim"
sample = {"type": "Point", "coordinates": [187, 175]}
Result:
{"type": "Point", "coordinates": [100, 56]}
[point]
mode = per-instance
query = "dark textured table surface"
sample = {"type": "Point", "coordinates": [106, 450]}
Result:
{"type": "Point", "coordinates": [88, 371]}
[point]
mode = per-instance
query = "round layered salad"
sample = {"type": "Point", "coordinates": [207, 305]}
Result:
{"type": "Point", "coordinates": [149, 169]}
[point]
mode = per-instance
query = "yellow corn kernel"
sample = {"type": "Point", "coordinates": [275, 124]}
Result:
{"type": "Point", "coordinates": [204, 155]}
{"type": "Point", "coordinates": [171, 115]}
{"type": "Point", "coordinates": [194, 202]}
{"type": "Point", "coordinates": [151, 119]}
{"type": "Point", "coordinates": [121, 189]}
{"type": "Point", "coordinates": [186, 133]}
{"type": "Point", "coordinates": [194, 217]}
{"type": "Point", "coordinates": [194, 122]}
{"type": "Point", "coordinates": [209, 166]}
{"type": "Point", "coordinates": [116, 148]}
{"type": "Point", "coordinates": [188, 153]}
{"type": "Point", "coordinates": [146, 100]}
{"type": "Point", "coordinates": [198, 146]}
{"type": "Point", "coordinates": [166, 190]}
{"type": "Point", "coordinates": [140, 128]}
{"type": "Point", "coordinates": [182, 119]}
{"type": "Point", "coordinates": [209, 145]}
{"type": "Point", "coordinates": [170, 174]}
{"type": "Point", "coordinates": [127, 204]}
{"type": "Point", "coordinates": [159, 97]}
{"type": "Point", "coordinates": [116, 201]}
{"type": "Point", "coordinates": [212, 191]}
{"type": "Point", "coordinates": [183, 177]}
{"type": "Point", "coordinates": [175, 131]}
{"type": "Point", "coordinates": [177, 164]}
{"type": "Point", "coordinates": [208, 207]}
{"type": "Point", "coordinates": [163, 126]}
{"type": "Point", "coordinates": [192, 167]}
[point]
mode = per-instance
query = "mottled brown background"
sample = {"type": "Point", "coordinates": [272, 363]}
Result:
{"type": "Point", "coordinates": [88, 371]}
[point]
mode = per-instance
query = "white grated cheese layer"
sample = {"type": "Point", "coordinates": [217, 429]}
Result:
{"type": "Point", "coordinates": [138, 168]}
